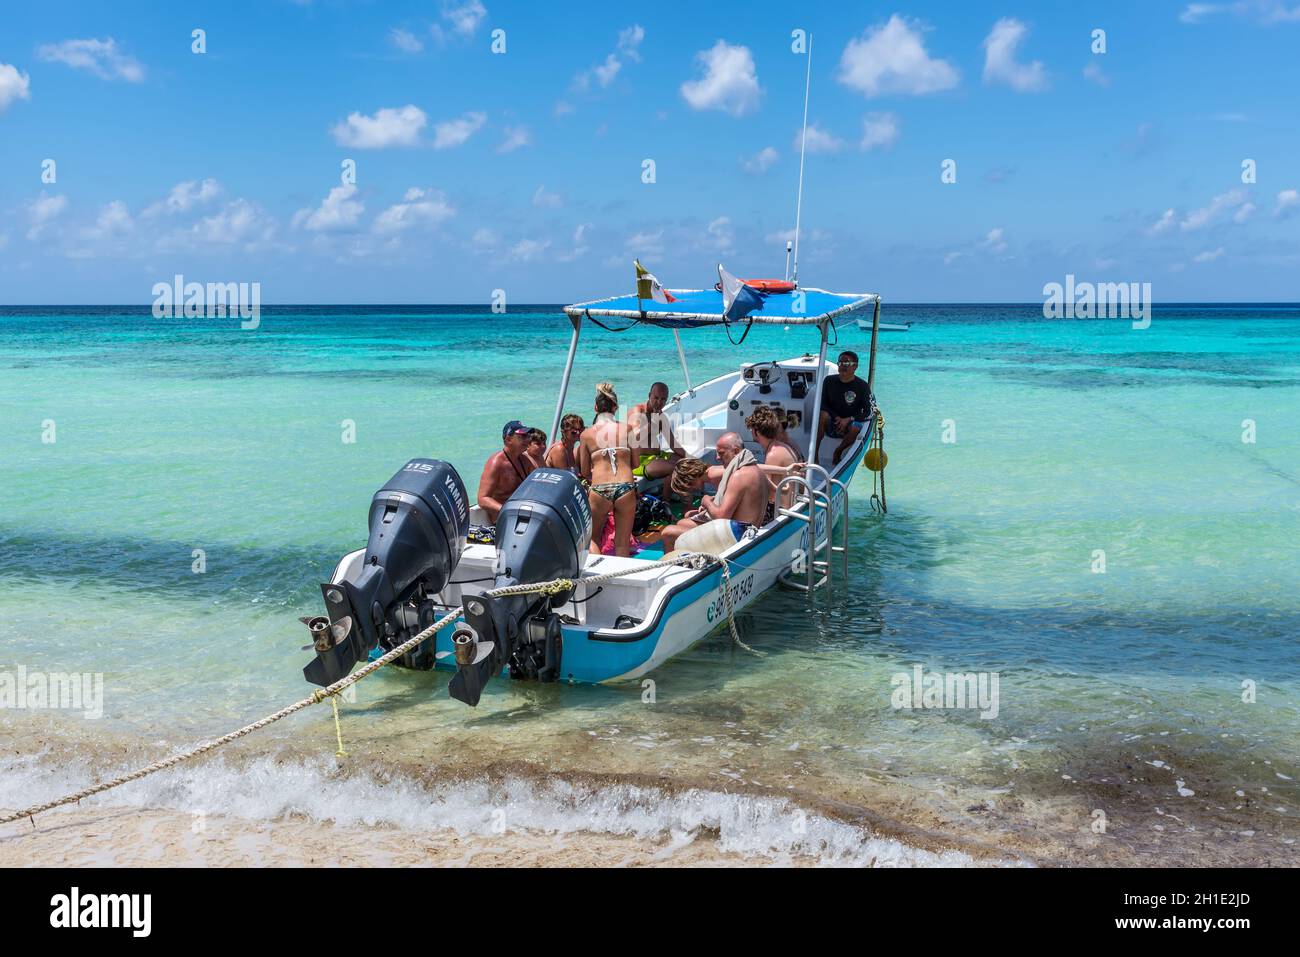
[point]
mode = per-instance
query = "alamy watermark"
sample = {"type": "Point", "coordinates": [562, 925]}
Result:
{"type": "Point", "coordinates": [214, 300]}
{"type": "Point", "coordinates": [67, 691]}
{"type": "Point", "coordinates": [946, 690]}
{"type": "Point", "coordinates": [1102, 300]}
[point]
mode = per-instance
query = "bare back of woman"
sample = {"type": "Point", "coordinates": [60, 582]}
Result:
{"type": "Point", "coordinates": [604, 458]}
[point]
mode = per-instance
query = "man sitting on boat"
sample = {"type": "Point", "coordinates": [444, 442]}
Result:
{"type": "Point", "coordinates": [505, 470]}
{"type": "Point", "coordinates": [779, 458]}
{"type": "Point", "coordinates": [651, 431]}
{"type": "Point", "coordinates": [846, 406]}
{"type": "Point", "coordinates": [560, 455]}
{"type": "Point", "coordinates": [741, 498]}
{"type": "Point", "coordinates": [605, 460]}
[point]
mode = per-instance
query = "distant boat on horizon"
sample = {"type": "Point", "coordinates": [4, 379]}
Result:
{"type": "Point", "coordinates": [884, 326]}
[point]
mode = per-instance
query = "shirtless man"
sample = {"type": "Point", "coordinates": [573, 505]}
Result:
{"type": "Point", "coordinates": [605, 460]}
{"type": "Point", "coordinates": [779, 458]}
{"type": "Point", "coordinates": [560, 455]}
{"type": "Point", "coordinates": [743, 501]}
{"type": "Point", "coordinates": [650, 429]}
{"type": "Point", "coordinates": [505, 470]}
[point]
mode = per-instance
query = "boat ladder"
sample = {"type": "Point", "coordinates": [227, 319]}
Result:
{"type": "Point", "coordinates": [809, 503]}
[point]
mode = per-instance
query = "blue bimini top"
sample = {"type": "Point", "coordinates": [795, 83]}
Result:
{"type": "Point", "coordinates": [702, 307]}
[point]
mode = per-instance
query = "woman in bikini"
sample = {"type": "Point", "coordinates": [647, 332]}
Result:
{"type": "Point", "coordinates": [606, 462]}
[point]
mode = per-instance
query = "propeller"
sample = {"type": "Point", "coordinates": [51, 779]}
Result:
{"type": "Point", "coordinates": [324, 634]}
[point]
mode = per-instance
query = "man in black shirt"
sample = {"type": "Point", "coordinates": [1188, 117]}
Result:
{"type": "Point", "coordinates": [846, 405]}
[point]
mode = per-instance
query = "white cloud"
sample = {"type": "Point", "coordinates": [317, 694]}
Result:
{"type": "Point", "coordinates": [721, 236]}
{"type": "Point", "coordinates": [579, 244]}
{"type": "Point", "coordinates": [114, 220]}
{"type": "Point", "coordinates": [1266, 12]}
{"type": "Point", "coordinates": [1208, 256]}
{"type": "Point", "coordinates": [761, 161]}
{"type": "Point", "coordinates": [879, 130]}
{"type": "Point", "coordinates": [1164, 223]}
{"type": "Point", "coordinates": [100, 57]}
{"type": "Point", "coordinates": [1288, 202]}
{"type": "Point", "coordinates": [1000, 64]}
{"type": "Point", "coordinates": [607, 71]}
{"type": "Point", "coordinates": [239, 222]}
{"type": "Point", "coordinates": [820, 140]}
{"type": "Point", "coordinates": [645, 244]}
{"type": "Point", "coordinates": [185, 195]}
{"type": "Point", "coordinates": [1244, 213]}
{"type": "Point", "coordinates": [544, 200]}
{"type": "Point", "coordinates": [462, 19]}
{"type": "Point", "coordinates": [516, 137]}
{"type": "Point", "coordinates": [452, 133]}
{"type": "Point", "coordinates": [527, 250]}
{"type": "Point", "coordinates": [338, 211]}
{"type": "Point", "coordinates": [892, 59]}
{"type": "Point", "coordinates": [1199, 218]}
{"type": "Point", "coordinates": [388, 127]}
{"type": "Point", "coordinates": [42, 211]}
{"type": "Point", "coordinates": [13, 86]}
{"type": "Point", "coordinates": [563, 108]}
{"type": "Point", "coordinates": [627, 49]}
{"type": "Point", "coordinates": [405, 40]}
{"type": "Point", "coordinates": [1095, 74]}
{"type": "Point", "coordinates": [419, 207]}
{"type": "Point", "coordinates": [994, 242]}
{"type": "Point", "coordinates": [729, 83]}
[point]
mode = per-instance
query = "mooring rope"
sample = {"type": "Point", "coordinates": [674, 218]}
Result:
{"type": "Point", "coordinates": [878, 503]}
{"type": "Point", "coordinates": [319, 695]}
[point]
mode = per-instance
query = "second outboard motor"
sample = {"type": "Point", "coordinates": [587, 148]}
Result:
{"type": "Point", "coordinates": [418, 522]}
{"type": "Point", "coordinates": [542, 533]}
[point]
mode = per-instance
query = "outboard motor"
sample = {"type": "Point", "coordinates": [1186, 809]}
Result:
{"type": "Point", "coordinates": [418, 522]}
{"type": "Point", "coordinates": [542, 533]}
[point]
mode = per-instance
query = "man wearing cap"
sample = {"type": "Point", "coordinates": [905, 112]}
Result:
{"type": "Point", "coordinates": [505, 470]}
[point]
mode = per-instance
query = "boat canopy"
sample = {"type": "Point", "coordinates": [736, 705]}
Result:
{"type": "Point", "coordinates": [703, 307]}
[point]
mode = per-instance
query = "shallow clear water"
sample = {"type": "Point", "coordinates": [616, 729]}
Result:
{"type": "Point", "coordinates": [1071, 437]}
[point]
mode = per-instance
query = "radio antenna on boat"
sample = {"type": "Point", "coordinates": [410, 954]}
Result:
{"type": "Point", "coordinates": [803, 147]}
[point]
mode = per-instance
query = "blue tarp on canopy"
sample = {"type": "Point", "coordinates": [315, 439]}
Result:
{"type": "Point", "coordinates": [694, 307]}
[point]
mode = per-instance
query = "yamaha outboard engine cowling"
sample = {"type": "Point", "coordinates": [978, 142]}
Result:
{"type": "Point", "coordinates": [418, 522]}
{"type": "Point", "coordinates": [543, 533]}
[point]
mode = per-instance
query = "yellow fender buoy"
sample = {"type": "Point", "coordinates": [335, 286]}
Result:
{"type": "Point", "coordinates": [876, 459]}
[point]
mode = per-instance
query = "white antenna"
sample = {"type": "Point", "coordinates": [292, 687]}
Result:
{"type": "Point", "coordinates": [788, 244]}
{"type": "Point", "coordinates": [803, 146]}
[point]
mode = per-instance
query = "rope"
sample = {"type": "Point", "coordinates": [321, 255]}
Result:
{"type": "Point", "coordinates": [320, 694]}
{"type": "Point", "coordinates": [731, 612]}
{"type": "Point", "coordinates": [878, 503]}
{"type": "Point", "coordinates": [338, 728]}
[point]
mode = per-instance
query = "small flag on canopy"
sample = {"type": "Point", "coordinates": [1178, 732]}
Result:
{"type": "Point", "coordinates": [647, 286]}
{"type": "Point", "coordinates": [738, 299]}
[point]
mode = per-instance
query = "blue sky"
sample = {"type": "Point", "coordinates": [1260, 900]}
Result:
{"type": "Point", "coordinates": [522, 170]}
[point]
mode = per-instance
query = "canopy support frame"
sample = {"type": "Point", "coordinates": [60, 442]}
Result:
{"type": "Point", "coordinates": [564, 381]}
{"type": "Point", "coordinates": [816, 423]}
{"type": "Point", "coordinates": [681, 354]}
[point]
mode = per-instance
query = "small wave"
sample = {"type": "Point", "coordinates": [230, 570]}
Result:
{"type": "Point", "coordinates": [769, 829]}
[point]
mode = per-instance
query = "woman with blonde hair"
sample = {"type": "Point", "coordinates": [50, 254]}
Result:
{"type": "Point", "coordinates": [605, 460]}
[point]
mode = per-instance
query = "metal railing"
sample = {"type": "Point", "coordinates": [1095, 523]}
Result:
{"type": "Point", "coordinates": [807, 501]}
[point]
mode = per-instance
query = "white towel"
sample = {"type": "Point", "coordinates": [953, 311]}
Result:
{"type": "Point", "coordinates": [743, 458]}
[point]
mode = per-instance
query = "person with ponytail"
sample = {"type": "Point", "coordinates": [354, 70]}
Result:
{"type": "Point", "coordinates": [605, 460]}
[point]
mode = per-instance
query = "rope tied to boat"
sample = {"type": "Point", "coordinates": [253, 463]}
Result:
{"type": "Point", "coordinates": [696, 560]}
{"type": "Point", "coordinates": [878, 503]}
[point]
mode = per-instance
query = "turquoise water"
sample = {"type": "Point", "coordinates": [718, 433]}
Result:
{"type": "Point", "coordinates": [1071, 438]}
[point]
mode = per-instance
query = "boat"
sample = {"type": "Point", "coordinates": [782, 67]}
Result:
{"type": "Point", "coordinates": [884, 326]}
{"type": "Point", "coordinates": [609, 619]}
{"type": "Point", "coordinates": [528, 598]}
